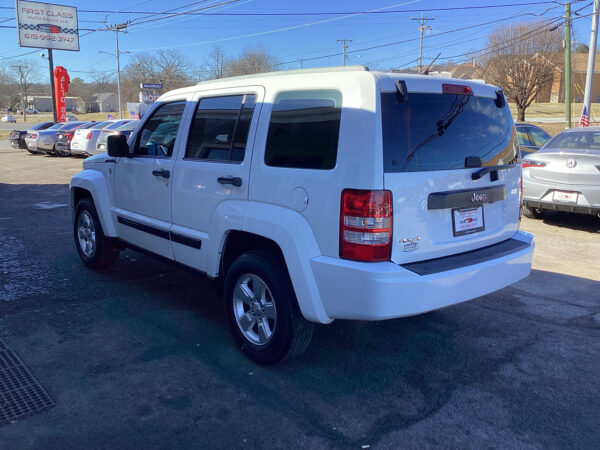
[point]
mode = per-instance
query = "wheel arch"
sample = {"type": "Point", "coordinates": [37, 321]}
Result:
{"type": "Point", "coordinates": [92, 184]}
{"type": "Point", "coordinates": [286, 233]}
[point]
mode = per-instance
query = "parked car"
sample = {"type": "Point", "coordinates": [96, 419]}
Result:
{"type": "Point", "coordinates": [71, 118]}
{"type": "Point", "coordinates": [8, 118]}
{"type": "Point", "coordinates": [564, 175]}
{"type": "Point", "coordinates": [316, 195]}
{"type": "Point", "coordinates": [530, 138]}
{"type": "Point", "coordinates": [43, 141]}
{"type": "Point", "coordinates": [31, 138]}
{"type": "Point", "coordinates": [124, 129]}
{"type": "Point", "coordinates": [31, 111]}
{"type": "Point", "coordinates": [62, 146]}
{"type": "Point", "coordinates": [84, 141]}
{"type": "Point", "coordinates": [17, 137]}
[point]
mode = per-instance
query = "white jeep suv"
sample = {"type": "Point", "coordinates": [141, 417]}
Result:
{"type": "Point", "coordinates": [316, 195]}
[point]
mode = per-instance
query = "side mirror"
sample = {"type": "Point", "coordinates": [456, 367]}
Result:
{"type": "Point", "coordinates": [116, 145]}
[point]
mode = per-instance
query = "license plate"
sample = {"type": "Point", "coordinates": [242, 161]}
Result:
{"type": "Point", "coordinates": [565, 197]}
{"type": "Point", "coordinates": [74, 145]}
{"type": "Point", "coordinates": [467, 220]}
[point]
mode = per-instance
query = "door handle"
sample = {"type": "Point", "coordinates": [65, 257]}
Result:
{"type": "Point", "coordinates": [161, 173]}
{"type": "Point", "coordinates": [236, 181]}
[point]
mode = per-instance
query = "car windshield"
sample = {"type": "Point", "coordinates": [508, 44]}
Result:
{"type": "Point", "coordinates": [438, 131]}
{"type": "Point", "coordinates": [129, 126]}
{"type": "Point", "coordinates": [581, 140]}
{"type": "Point", "coordinates": [71, 125]}
{"type": "Point", "coordinates": [40, 126]}
{"type": "Point", "coordinates": [116, 124]}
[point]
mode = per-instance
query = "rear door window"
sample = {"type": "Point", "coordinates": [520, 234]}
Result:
{"type": "Point", "coordinates": [438, 131]}
{"type": "Point", "coordinates": [304, 130]}
{"type": "Point", "coordinates": [220, 128]}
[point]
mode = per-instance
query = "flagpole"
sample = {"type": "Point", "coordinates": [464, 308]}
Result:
{"type": "Point", "coordinates": [587, 98]}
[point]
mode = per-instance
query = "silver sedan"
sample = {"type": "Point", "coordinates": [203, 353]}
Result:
{"type": "Point", "coordinates": [564, 175]}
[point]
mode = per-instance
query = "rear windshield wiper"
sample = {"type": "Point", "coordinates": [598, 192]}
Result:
{"type": "Point", "coordinates": [485, 170]}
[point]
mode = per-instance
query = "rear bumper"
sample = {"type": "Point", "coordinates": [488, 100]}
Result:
{"type": "Point", "coordinates": [377, 291]}
{"type": "Point", "coordinates": [63, 146]}
{"type": "Point", "coordinates": [540, 194]}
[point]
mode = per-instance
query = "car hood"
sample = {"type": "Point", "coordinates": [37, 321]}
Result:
{"type": "Point", "coordinates": [100, 158]}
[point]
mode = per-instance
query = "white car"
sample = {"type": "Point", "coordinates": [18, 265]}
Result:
{"type": "Point", "coordinates": [124, 129]}
{"type": "Point", "coordinates": [84, 141]}
{"type": "Point", "coordinates": [316, 195]}
{"type": "Point", "coordinates": [8, 118]}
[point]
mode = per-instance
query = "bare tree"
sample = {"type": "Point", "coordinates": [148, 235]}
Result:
{"type": "Point", "coordinates": [522, 59]}
{"type": "Point", "coordinates": [25, 73]}
{"type": "Point", "coordinates": [253, 60]}
{"type": "Point", "coordinates": [169, 67]}
{"type": "Point", "coordinates": [216, 64]}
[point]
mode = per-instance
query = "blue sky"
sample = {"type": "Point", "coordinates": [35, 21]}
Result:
{"type": "Point", "coordinates": [289, 37]}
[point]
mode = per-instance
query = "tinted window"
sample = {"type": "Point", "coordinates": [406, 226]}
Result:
{"type": "Point", "coordinates": [438, 131]}
{"type": "Point", "coordinates": [304, 130]}
{"type": "Point", "coordinates": [523, 137]}
{"type": "Point", "coordinates": [576, 140]}
{"type": "Point", "coordinates": [220, 128]}
{"type": "Point", "coordinates": [540, 137]}
{"type": "Point", "coordinates": [100, 125]}
{"type": "Point", "coordinates": [56, 126]}
{"type": "Point", "coordinates": [157, 137]}
{"type": "Point", "coordinates": [41, 126]}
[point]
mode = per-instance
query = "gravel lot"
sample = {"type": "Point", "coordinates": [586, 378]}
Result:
{"type": "Point", "coordinates": [141, 355]}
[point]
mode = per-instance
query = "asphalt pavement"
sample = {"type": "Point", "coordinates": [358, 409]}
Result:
{"type": "Point", "coordinates": [141, 356]}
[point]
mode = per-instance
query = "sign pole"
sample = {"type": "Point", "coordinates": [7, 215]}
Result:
{"type": "Point", "coordinates": [52, 88]}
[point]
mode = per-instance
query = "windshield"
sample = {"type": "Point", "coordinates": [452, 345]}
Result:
{"type": "Point", "coordinates": [116, 124]}
{"type": "Point", "coordinates": [581, 140]}
{"type": "Point", "coordinates": [438, 131]}
{"type": "Point", "coordinates": [101, 125]}
{"type": "Point", "coordinates": [56, 126]}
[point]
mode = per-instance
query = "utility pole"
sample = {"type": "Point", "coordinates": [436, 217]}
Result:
{"type": "Point", "coordinates": [589, 78]}
{"type": "Point", "coordinates": [117, 28]}
{"type": "Point", "coordinates": [20, 69]}
{"type": "Point", "coordinates": [423, 27]}
{"type": "Point", "coordinates": [344, 47]}
{"type": "Point", "coordinates": [568, 65]}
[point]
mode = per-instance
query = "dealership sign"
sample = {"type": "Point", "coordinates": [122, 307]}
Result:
{"type": "Point", "coordinates": [151, 85]}
{"type": "Point", "coordinates": [146, 97]}
{"type": "Point", "coordinates": [44, 25]}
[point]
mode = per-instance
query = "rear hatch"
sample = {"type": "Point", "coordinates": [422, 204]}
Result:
{"type": "Point", "coordinates": [450, 162]}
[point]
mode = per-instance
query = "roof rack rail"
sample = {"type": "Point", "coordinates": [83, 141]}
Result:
{"type": "Point", "coordinates": [292, 72]}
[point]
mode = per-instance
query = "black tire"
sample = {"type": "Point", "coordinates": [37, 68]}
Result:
{"type": "Point", "coordinates": [103, 254]}
{"type": "Point", "coordinates": [62, 153]}
{"type": "Point", "coordinates": [532, 213]}
{"type": "Point", "coordinates": [292, 333]}
{"type": "Point", "coordinates": [33, 152]}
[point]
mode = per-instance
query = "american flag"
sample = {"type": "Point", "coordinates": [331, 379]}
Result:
{"type": "Point", "coordinates": [110, 117]}
{"type": "Point", "coordinates": [585, 118]}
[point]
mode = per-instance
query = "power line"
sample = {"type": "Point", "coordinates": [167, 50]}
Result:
{"type": "Point", "coordinates": [316, 13]}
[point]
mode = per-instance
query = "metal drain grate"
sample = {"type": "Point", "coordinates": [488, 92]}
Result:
{"type": "Point", "coordinates": [21, 395]}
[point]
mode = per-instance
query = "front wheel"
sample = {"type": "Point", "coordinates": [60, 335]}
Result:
{"type": "Point", "coordinates": [532, 213]}
{"type": "Point", "coordinates": [264, 316]}
{"type": "Point", "coordinates": [94, 248]}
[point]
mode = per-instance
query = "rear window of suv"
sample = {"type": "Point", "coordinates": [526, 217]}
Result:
{"type": "Point", "coordinates": [438, 131]}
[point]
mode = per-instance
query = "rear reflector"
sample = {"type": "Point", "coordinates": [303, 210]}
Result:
{"type": "Point", "coordinates": [89, 136]}
{"type": "Point", "coordinates": [366, 225]}
{"type": "Point", "coordinates": [529, 163]}
{"type": "Point", "coordinates": [457, 89]}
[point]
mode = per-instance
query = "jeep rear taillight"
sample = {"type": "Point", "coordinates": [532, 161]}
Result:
{"type": "Point", "coordinates": [366, 225]}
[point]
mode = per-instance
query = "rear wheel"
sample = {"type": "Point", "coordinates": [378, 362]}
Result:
{"type": "Point", "coordinates": [62, 153]}
{"type": "Point", "coordinates": [264, 316]}
{"type": "Point", "coordinates": [94, 248]}
{"type": "Point", "coordinates": [532, 213]}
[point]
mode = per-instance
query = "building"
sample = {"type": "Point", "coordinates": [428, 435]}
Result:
{"type": "Point", "coordinates": [43, 103]}
{"type": "Point", "coordinates": [104, 102]}
{"type": "Point", "coordinates": [556, 94]}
